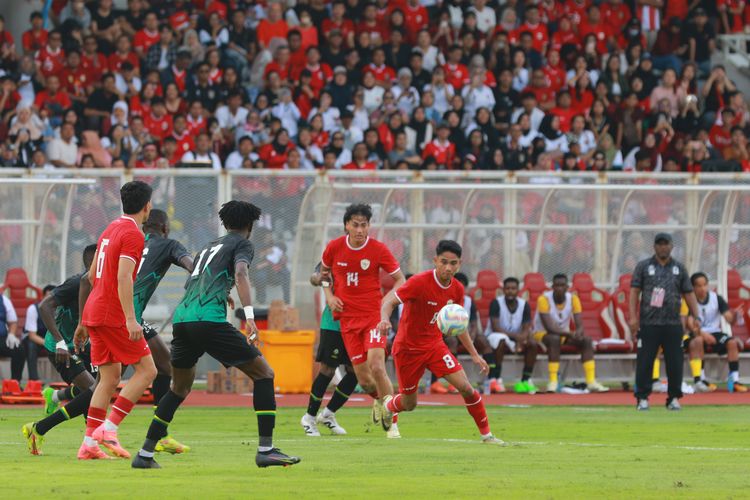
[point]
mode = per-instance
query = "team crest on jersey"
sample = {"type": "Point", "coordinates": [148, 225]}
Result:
{"type": "Point", "coordinates": [450, 302]}
{"type": "Point", "coordinates": [365, 264]}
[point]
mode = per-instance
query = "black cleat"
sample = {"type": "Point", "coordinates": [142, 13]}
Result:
{"type": "Point", "coordinates": [274, 457]}
{"type": "Point", "coordinates": [140, 462]}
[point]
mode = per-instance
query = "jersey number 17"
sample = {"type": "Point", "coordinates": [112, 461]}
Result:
{"type": "Point", "coordinates": [212, 253]}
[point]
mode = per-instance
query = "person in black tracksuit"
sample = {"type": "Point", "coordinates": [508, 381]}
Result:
{"type": "Point", "coordinates": [660, 282]}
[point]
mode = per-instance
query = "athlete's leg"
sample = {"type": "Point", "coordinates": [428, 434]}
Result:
{"type": "Point", "coordinates": [553, 343]}
{"type": "Point", "coordinates": [376, 363]}
{"type": "Point", "coordinates": [318, 389]}
{"type": "Point", "coordinates": [586, 345]}
{"type": "Point", "coordinates": [529, 359]}
{"type": "Point", "coordinates": [472, 399]}
{"type": "Point", "coordinates": [695, 355]}
{"type": "Point", "coordinates": [160, 353]}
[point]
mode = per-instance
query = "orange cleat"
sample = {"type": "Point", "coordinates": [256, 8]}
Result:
{"type": "Point", "coordinates": [109, 440]}
{"type": "Point", "coordinates": [496, 387]}
{"type": "Point", "coordinates": [452, 389]}
{"type": "Point", "coordinates": [438, 388]}
{"type": "Point", "coordinates": [92, 453]}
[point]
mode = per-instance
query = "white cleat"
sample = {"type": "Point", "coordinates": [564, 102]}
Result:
{"type": "Point", "coordinates": [329, 420]}
{"type": "Point", "coordinates": [493, 440]}
{"type": "Point", "coordinates": [308, 423]}
{"type": "Point", "coordinates": [596, 387]}
{"type": "Point", "coordinates": [377, 411]}
{"type": "Point", "coordinates": [393, 432]}
{"type": "Point", "coordinates": [386, 415]}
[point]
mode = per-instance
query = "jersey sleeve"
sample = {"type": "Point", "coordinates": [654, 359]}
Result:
{"type": "Point", "coordinates": [577, 308]}
{"type": "Point", "coordinates": [177, 252]}
{"type": "Point", "coordinates": [723, 306]}
{"type": "Point", "coordinates": [327, 258]}
{"type": "Point", "coordinates": [684, 310]}
{"type": "Point", "coordinates": [409, 290]}
{"type": "Point", "coordinates": [32, 318]}
{"type": "Point", "coordinates": [542, 305]}
{"type": "Point", "coordinates": [636, 280]}
{"type": "Point", "coordinates": [67, 293]}
{"type": "Point", "coordinates": [10, 311]}
{"type": "Point", "coordinates": [526, 319]}
{"type": "Point", "coordinates": [132, 245]}
{"type": "Point", "coordinates": [388, 262]}
{"type": "Point", "coordinates": [244, 252]}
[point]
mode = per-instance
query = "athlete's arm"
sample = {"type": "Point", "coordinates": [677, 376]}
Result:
{"type": "Point", "coordinates": [186, 262]}
{"type": "Point", "coordinates": [579, 324]}
{"type": "Point", "coordinates": [47, 312]}
{"type": "Point", "coordinates": [635, 296]}
{"type": "Point", "coordinates": [389, 303]}
{"type": "Point", "coordinates": [81, 335]}
{"type": "Point", "coordinates": [400, 279]}
{"type": "Point", "coordinates": [692, 303]}
{"type": "Point", "coordinates": [550, 325]}
{"type": "Point", "coordinates": [125, 268]}
{"type": "Point", "coordinates": [242, 282]}
{"type": "Point", "coordinates": [466, 341]}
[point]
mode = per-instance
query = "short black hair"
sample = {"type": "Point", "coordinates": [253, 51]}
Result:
{"type": "Point", "coordinates": [48, 288]}
{"type": "Point", "coordinates": [238, 214]}
{"type": "Point", "coordinates": [560, 276]}
{"type": "Point", "coordinates": [156, 219]}
{"type": "Point", "coordinates": [448, 246]}
{"type": "Point", "coordinates": [511, 279]}
{"type": "Point", "coordinates": [695, 277]}
{"type": "Point", "coordinates": [462, 278]}
{"type": "Point", "coordinates": [88, 254]}
{"type": "Point", "coordinates": [135, 195]}
{"type": "Point", "coordinates": [362, 209]}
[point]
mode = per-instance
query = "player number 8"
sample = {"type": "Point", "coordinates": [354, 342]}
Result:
{"type": "Point", "coordinates": [449, 363]}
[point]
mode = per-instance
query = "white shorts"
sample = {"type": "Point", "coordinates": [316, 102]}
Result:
{"type": "Point", "coordinates": [495, 338]}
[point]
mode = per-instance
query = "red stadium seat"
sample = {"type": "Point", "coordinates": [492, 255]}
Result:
{"type": "Point", "coordinates": [597, 323]}
{"type": "Point", "coordinates": [533, 286]}
{"type": "Point", "coordinates": [485, 291]}
{"type": "Point", "coordinates": [738, 293]}
{"type": "Point", "coordinates": [19, 285]}
{"type": "Point", "coordinates": [619, 300]}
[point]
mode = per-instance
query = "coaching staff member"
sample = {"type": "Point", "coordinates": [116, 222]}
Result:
{"type": "Point", "coordinates": [660, 282]}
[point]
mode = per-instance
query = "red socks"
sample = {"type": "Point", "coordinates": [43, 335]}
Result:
{"type": "Point", "coordinates": [94, 419]}
{"type": "Point", "coordinates": [475, 406]}
{"type": "Point", "coordinates": [120, 410]}
{"type": "Point", "coordinates": [394, 405]}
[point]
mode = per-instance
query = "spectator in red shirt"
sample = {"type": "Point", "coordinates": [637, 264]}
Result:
{"type": "Point", "coordinates": [415, 19]}
{"type": "Point", "coordinates": [275, 153]}
{"type": "Point", "coordinates": [338, 21]}
{"type": "Point", "coordinates": [182, 136]}
{"type": "Point", "coordinates": [541, 88]}
{"type": "Point", "coordinates": [93, 62]}
{"type": "Point", "coordinates": [8, 53]}
{"type": "Point", "coordinates": [384, 75]}
{"type": "Point", "coordinates": [123, 53]}
{"type": "Point", "coordinates": [370, 24]}
{"type": "Point", "coordinates": [456, 73]}
{"type": "Point", "coordinates": [307, 30]}
{"type": "Point", "coordinates": [563, 110]}
{"type": "Point", "coordinates": [196, 120]}
{"type": "Point", "coordinates": [441, 149]}
{"type": "Point", "coordinates": [148, 36]}
{"type": "Point", "coordinates": [75, 80]}
{"type": "Point", "coordinates": [721, 135]}
{"type": "Point", "coordinates": [669, 47]}
{"type": "Point", "coordinates": [52, 101]}
{"type": "Point", "coordinates": [280, 64]}
{"type": "Point", "coordinates": [359, 159]}
{"type": "Point", "coordinates": [554, 70]}
{"type": "Point", "coordinates": [565, 36]}
{"type": "Point", "coordinates": [35, 38]}
{"type": "Point", "coordinates": [615, 14]}
{"type": "Point", "coordinates": [321, 72]}
{"type": "Point", "coordinates": [158, 122]}
{"type": "Point", "coordinates": [50, 59]}
{"type": "Point", "coordinates": [537, 29]}
{"type": "Point", "coordinates": [150, 156]}
{"type": "Point", "coordinates": [593, 25]}
{"type": "Point", "coordinates": [273, 26]}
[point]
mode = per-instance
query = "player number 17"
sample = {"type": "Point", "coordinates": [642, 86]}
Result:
{"type": "Point", "coordinates": [214, 250]}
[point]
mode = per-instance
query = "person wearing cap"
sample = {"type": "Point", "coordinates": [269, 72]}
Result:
{"type": "Point", "coordinates": [701, 39]}
{"type": "Point", "coordinates": [659, 284]}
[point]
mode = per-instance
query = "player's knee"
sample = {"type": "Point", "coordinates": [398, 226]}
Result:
{"type": "Point", "coordinates": [181, 389]}
{"type": "Point", "coordinates": [588, 342]}
{"type": "Point", "coordinates": [732, 347]}
{"type": "Point", "coordinates": [552, 340]}
{"type": "Point", "coordinates": [326, 370]}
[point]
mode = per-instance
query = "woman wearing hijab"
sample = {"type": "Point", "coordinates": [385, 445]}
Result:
{"type": "Point", "coordinates": [555, 141]}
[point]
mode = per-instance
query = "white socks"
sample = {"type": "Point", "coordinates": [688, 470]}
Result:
{"type": "Point", "coordinates": [89, 441]}
{"type": "Point", "coordinates": [109, 426]}
{"type": "Point", "coordinates": [264, 449]}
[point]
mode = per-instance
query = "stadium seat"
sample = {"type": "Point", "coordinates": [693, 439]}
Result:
{"type": "Point", "coordinates": [597, 322]}
{"type": "Point", "coordinates": [11, 387]}
{"type": "Point", "coordinates": [33, 388]}
{"type": "Point", "coordinates": [485, 291]}
{"type": "Point", "coordinates": [19, 285]}
{"type": "Point", "coordinates": [533, 286]}
{"type": "Point", "coordinates": [738, 293]}
{"type": "Point", "coordinates": [619, 300]}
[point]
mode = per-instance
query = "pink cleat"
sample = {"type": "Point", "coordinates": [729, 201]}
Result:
{"type": "Point", "coordinates": [92, 453]}
{"type": "Point", "coordinates": [109, 440]}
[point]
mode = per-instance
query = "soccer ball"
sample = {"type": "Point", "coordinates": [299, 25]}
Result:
{"type": "Point", "coordinates": [453, 320]}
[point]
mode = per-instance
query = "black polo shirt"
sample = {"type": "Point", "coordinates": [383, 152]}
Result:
{"type": "Point", "coordinates": [671, 280]}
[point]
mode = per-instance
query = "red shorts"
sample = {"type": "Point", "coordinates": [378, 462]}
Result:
{"type": "Point", "coordinates": [113, 345]}
{"type": "Point", "coordinates": [410, 366]}
{"type": "Point", "coordinates": [360, 335]}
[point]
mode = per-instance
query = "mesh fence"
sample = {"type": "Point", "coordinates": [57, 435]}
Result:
{"type": "Point", "coordinates": [510, 223]}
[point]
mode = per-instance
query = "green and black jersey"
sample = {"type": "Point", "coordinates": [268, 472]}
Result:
{"type": "Point", "coordinates": [158, 254]}
{"type": "Point", "coordinates": [213, 276]}
{"type": "Point", "coordinates": [66, 314]}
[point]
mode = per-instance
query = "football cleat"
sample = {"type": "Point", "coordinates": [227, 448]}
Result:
{"type": "Point", "coordinates": [109, 440]}
{"type": "Point", "coordinates": [329, 420]}
{"type": "Point", "coordinates": [674, 405]}
{"type": "Point", "coordinates": [308, 423]}
{"type": "Point", "coordinates": [553, 386]}
{"type": "Point", "coordinates": [34, 440]}
{"type": "Point", "coordinates": [704, 386]}
{"type": "Point", "coordinates": [49, 405]}
{"type": "Point", "coordinates": [377, 411]}
{"type": "Point", "coordinates": [386, 416]}
{"type": "Point", "coordinates": [738, 387]}
{"type": "Point", "coordinates": [393, 432]}
{"type": "Point", "coordinates": [140, 462]}
{"type": "Point", "coordinates": [493, 440]}
{"type": "Point", "coordinates": [642, 405]}
{"type": "Point", "coordinates": [497, 387]}
{"type": "Point", "coordinates": [596, 387]}
{"type": "Point", "coordinates": [438, 388]}
{"type": "Point", "coordinates": [92, 453]}
{"type": "Point", "coordinates": [274, 457]}
{"type": "Point", "coordinates": [169, 444]}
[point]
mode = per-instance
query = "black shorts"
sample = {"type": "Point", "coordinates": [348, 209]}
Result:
{"type": "Point", "coordinates": [720, 347]}
{"type": "Point", "coordinates": [331, 350]}
{"type": "Point", "coordinates": [149, 331]}
{"type": "Point", "coordinates": [79, 363]}
{"type": "Point", "coordinates": [221, 341]}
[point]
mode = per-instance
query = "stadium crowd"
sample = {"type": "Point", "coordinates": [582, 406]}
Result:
{"type": "Point", "coordinates": [354, 84]}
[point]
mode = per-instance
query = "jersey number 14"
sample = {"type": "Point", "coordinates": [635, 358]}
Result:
{"type": "Point", "coordinates": [212, 253]}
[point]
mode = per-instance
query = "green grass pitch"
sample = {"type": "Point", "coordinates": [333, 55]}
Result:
{"type": "Point", "coordinates": [555, 452]}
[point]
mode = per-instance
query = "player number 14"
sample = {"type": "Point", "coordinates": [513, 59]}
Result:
{"type": "Point", "coordinates": [213, 251]}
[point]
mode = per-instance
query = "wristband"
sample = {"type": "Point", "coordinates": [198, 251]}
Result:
{"type": "Point", "coordinates": [62, 345]}
{"type": "Point", "coordinates": [249, 314]}
{"type": "Point", "coordinates": [325, 284]}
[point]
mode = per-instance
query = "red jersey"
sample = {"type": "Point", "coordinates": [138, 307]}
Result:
{"type": "Point", "coordinates": [346, 26]}
{"type": "Point", "coordinates": [95, 66]}
{"type": "Point", "coordinates": [456, 75]}
{"type": "Point", "coordinates": [615, 16]}
{"type": "Point", "coordinates": [600, 30]}
{"type": "Point", "coordinates": [555, 76]}
{"type": "Point", "coordinates": [575, 11]}
{"type": "Point", "coordinates": [415, 18]}
{"type": "Point", "coordinates": [116, 59]}
{"type": "Point", "coordinates": [185, 142]}
{"type": "Point", "coordinates": [122, 239]}
{"type": "Point", "coordinates": [382, 73]}
{"type": "Point", "coordinates": [160, 128]}
{"type": "Point", "coordinates": [180, 20]}
{"type": "Point", "coordinates": [368, 165]}
{"type": "Point", "coordinates": [75, 81]}
{"type": "Point", "coordinates": [423, 296]}
{"type": "Point", "coordinates": [282, 70]}
{"type": "Point", "coordinates": [54, 104]}
{"type": "Point", "coordinates": [50, 63]}
{"type": "Point", "coordinates": [144, 39]}
{"type": "Point", "coordinates": [561, 38]}
{"type": "Point", "coordinates": [356, 274]}
{"type": "Point", "coordinates": [443, 153]}
{"type": "Point", "coordinates": [719, 137]}
{"type": "Point", "coordinates": [34, 41]}
{"type": "Point", "coordinates": [539, 34]}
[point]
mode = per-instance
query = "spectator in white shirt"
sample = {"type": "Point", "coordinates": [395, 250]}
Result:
{"type": "Point", "coordinates": [311, 156]}
{"type": "Point", "coordinates": [442, 91]}
{"type": "Point", "coordinates": [486, 17]}
{"type": "Point", "coordinates": [232, 115]}
{"type": "Point", "coordinates": [373, 94]}
{"type": "Point", "coordinates": [529, 106]}
{"type": "Point", "coordinates": [287, 112]}
{"type": "Point", "coordinates": [63, 151]}
{"type": "Point", "coordinates": [243, 156]}
{"type": "Point", "coordinates": [431, 55]}
{"type": "Point", "coordinates": [585, 138]}
{"type": "Point", "coordinates": [407, 97]}
{"type": "Point", "coordinates": [477, 95]}
{"type": "Point", "coordinates": [202, 153]}
{"type": "Point", "coordinates": [329, 112]}
{"type": "Point", "coordinates": [352, 133]}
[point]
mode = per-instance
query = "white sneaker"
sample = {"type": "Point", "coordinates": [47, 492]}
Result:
{"type": "Point", "coordinates": [596, 387]}
{"type": "Point", "coordinates": [493, 440]}
{"type": "Point", "coordinates": [377, 411]}
{"type": "Point", "coordinates": [308, 423]}
{"type": "Point", "coordinates": [688, 389]}
{"type": "Point", "coordinates": [659, 386]}
{"type": "Point", "coordinates": [553, 386]}
{"type": "Point", "coordinates": [329, 420]}
{"type": "Point", "coordinates": [702, 386]}
{"type": "Point", "coordinates": [393, 432]}
{"type": "Point", "coordinates": [386, 416]}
